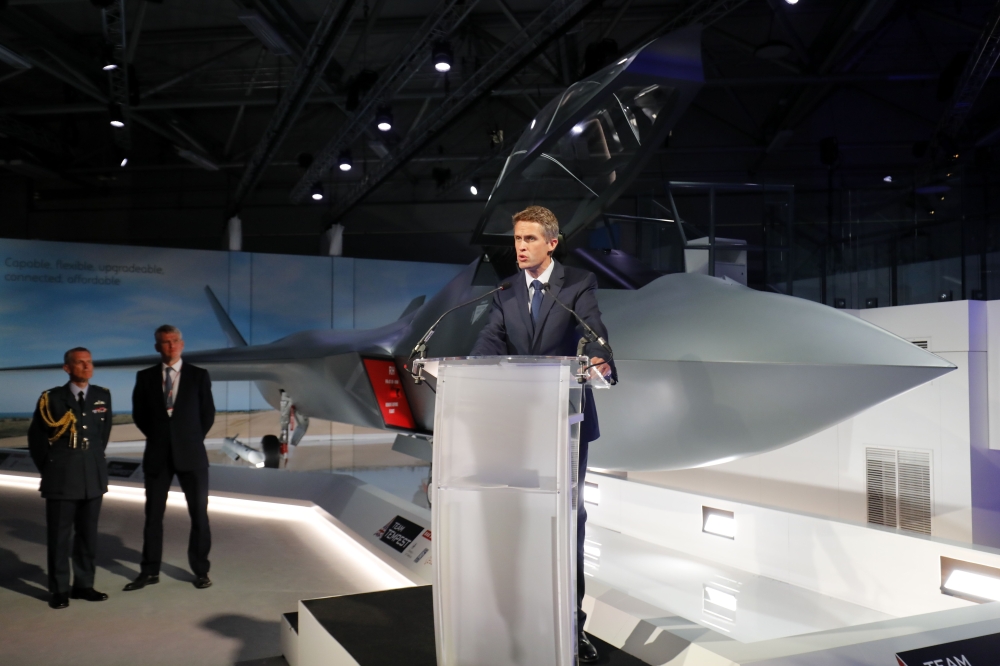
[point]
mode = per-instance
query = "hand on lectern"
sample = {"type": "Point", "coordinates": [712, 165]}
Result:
{"type": "Point", "coordinates": [601, 366]}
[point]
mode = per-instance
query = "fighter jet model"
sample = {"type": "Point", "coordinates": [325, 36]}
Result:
{"type": "Point", "coordinates": [710, 371]}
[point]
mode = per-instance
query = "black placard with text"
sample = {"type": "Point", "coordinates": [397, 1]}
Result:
{"type": "Point", "coordinates": [978, 651]}
{"type": "Point", "coordinates": [399, 533]}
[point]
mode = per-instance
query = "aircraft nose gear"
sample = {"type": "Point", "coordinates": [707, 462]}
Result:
{"type": "Point", "coordinates": [293, 425]}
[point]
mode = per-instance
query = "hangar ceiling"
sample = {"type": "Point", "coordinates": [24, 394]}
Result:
{"type": "Point", "coordinates": [244, 106]}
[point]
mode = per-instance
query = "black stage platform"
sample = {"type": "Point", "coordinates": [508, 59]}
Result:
{"type": "Point", "coordinates": [383, 628]}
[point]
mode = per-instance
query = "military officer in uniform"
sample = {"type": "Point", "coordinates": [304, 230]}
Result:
{"type": "Point", "coordinates": [67, 437]}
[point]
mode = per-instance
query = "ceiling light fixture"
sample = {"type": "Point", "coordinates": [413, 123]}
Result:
{"type": "Point", "coordinates": [117, 118]}
{"type": "Point", "coordinates": [383, 119]}
{"type": "Point", "coordinates": [442, 56]}
{"type": "Point", "coordinates": [474, 187]}
{"type": "Point", "coordinates": [888, 179]}
{"type": "Point", "coordinates": [792, 2]}
{"type": "Point", "coordinates": [316, 191]}
{"type": "Point", "coordinates": [577, 129]}
{"type": "Point", "coordinates": [124, 161]}
{"type": "Point", "coordinates": [344, 161]}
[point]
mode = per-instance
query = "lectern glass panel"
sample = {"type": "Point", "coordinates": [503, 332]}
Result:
{"type": "Point", "coordinates": [505, 446]}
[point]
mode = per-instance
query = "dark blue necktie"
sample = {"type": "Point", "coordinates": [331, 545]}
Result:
{"type": "Point", "coordinates": [536, 301]}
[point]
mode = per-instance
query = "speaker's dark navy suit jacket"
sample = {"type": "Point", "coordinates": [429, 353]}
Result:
{"type": "Point", "coordinates": [509, 330]}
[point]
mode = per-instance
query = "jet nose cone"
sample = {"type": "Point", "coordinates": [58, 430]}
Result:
{"type": "Point", "coordinates": [701, 317]}
{"type": "Point", "coordinates": [711, 371]}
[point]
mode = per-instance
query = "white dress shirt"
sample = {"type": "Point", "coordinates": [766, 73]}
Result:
{"type": "Point", "coordinates": [77, 390]}
{"type": "Point", "coordinates": [543, 278]}
{"type": "Point", "coordinates": [175, 378]}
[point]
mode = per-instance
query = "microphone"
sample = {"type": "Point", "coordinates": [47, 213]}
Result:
{"type": "Point", "coordinates": [421, 346]}
{"type": "Point", "coordinates": [591, 335]}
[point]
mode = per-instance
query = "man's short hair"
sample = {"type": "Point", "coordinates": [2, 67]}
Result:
{"type": "Point", "coordinates": [541, 215]}
{"type": "Point", "coordinates": [67, 356]}
{"type": "Point", "coordinates": [167, 328]}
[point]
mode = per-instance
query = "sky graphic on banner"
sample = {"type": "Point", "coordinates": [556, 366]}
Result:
{"type": "Point", "coordinates": [54, 296]}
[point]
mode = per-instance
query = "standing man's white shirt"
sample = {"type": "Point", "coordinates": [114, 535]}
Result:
{"type": "Point", "coordinates": [175, 378]}
{"type": "Point", "coordinates": [543, 278]}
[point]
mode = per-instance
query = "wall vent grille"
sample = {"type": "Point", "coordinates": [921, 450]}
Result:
{"type": "Point", "coordinates": [923, 344]}
{"type": "Point", "coordinates": [899, 489]}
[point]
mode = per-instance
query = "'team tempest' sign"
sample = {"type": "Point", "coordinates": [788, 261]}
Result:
{"type": "Point", "coordinates": [978, 651]}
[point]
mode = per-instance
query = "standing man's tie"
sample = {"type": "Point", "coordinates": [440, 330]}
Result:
{"type": "Point", "coordinates": [79, 400]}
{"type": "Point", "coordinates": [536, 302]}
{"type": "Point", "coordinates": [168, 389]}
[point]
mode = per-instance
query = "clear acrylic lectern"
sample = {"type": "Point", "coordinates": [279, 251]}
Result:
{"type": "Point", "coordinates": [506, 439]}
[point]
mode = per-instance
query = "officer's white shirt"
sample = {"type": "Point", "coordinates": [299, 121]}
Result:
{"type": "Point", "coordinates": [77, 390]}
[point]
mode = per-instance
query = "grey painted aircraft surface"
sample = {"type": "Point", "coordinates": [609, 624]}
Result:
{"type": "Point", "coordinates": [710, 371]}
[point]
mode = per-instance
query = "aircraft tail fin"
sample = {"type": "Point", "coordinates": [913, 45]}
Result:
{"type": "Point", "coordinates": [228, 327]}
{"type": "Point", "coordinates": [412, 307]}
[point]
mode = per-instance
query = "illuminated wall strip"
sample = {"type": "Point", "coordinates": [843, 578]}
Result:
{"type": "Point", "coordinates": [381, 573]}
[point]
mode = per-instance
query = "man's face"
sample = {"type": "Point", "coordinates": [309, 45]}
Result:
{"type": "Point", "coordinates": [80, 367]}
{"type": "Point", "coordinates": [531, 245]}
{"type": "Point", "coordinates": [170, 346]}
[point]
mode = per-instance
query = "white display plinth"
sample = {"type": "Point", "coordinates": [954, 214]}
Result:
{"type": "Point", "coordinates": [506, 438]}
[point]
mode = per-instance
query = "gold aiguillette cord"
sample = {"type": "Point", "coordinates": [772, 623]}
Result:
{"type": "Point", "coordinates": [67, 422]}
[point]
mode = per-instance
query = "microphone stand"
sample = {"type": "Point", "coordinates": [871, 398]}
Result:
{"type": "Point", "coordinates": [420, 349]}
{"type": "Point", "coordinates": [589, 336]}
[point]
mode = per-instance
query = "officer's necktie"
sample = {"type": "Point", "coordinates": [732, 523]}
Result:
{"type": "Point", "coordinates": [536, 302]}
{"type": "Point", "coordinates": [168, 388]}
{"type": "Point", "coordinates": [79, 400]}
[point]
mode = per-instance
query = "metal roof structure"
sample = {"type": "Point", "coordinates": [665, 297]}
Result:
{"type": "Point", "coordinates": [245, 106]}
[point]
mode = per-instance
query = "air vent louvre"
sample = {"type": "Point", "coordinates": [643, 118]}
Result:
{"type": "Point", "coordinates": [899, 489]}
{"type": "Point", "coordinates": [881, 486]}
{"type": "Point", "coordinates": [923, 344]}
{"type": "Point", "coordinates": [914, 491]}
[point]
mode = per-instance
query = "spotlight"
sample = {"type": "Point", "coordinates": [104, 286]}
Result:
{"type": "Point", "coordinates": [117, 118]}
{"type": "Point", "coordinates": [316, 191]}
{"type": "Point", "coordinates": [577, 129]}
{"type": "Point", "coordinates": [474, 189]}
{"type": "Point", "coordinates": [442, 56]}
{"type": "Point", "coordinates": [718, 522]}
{"type": "Point", "coordinates": [792, 2]}
{"type": "Point", "coordinates": [344, 161]}
{"type": "Point", "coordinates": [383, 119]}
{"type": "Point", "coordinates": [108, 59]}
{"type": "Point", "coordinates": [124, 161]}
{"type": "Point", "coordinates": [973, 584]}
{"type": "Point", "coordinates": [888, 179]}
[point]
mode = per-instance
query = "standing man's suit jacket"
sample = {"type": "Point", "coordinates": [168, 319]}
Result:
{"type": "Point", "coordinates": [179, 438]}
{"type": "Point", "coordinates": [509, 330]}
{"type": "Point", "coordinates": [73, 473]}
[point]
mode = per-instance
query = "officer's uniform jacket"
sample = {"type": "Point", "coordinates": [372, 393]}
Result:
{"type": "Point", "coordinates": [72, 472]}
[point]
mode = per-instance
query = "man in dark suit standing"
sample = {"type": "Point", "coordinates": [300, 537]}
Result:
{"type": "Point", "coordinates": [67, 437]}
{"type": "Point", "coordinates": [523, 320]}
{"type": "Point", "coordinates": [173, 407]}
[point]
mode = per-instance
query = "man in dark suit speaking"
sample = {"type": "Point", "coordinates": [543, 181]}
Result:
{"type": "Point", "coordinates": [173, 407]}
{"type": "Point", "coordinates": [67, 438]}
{"type": "Point", "coordinates": [523, 320]}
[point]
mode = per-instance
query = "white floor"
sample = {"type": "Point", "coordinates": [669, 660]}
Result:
{"type": "Point", "coordinates": [740, 605]}
{"type": "Point", "coordinates": [261, 567]}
